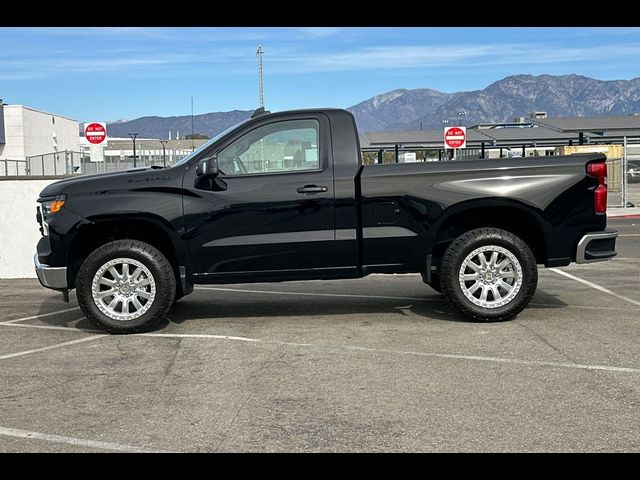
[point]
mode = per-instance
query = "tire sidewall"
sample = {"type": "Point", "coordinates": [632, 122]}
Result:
{"type": "Point", "coordinates": [451, 285]}
{"type": "Point", "coordinates": [147, 255]}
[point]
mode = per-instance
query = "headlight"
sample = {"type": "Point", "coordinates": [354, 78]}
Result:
{"type": "Point", "coordinates": [52, 206]}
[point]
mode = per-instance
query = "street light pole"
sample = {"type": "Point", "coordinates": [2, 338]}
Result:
{"type": "Point", "coordinates": [461, 115]}
{"type": "Point", "coordinates": [164, 153]}
{"type": "Point", "coordinates": [133, 136]}
{"type": "Point", "coordinates": [444, 125]}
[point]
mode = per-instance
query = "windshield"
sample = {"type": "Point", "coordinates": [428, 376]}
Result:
{"type": "Point", "coordinates": [206, 145]}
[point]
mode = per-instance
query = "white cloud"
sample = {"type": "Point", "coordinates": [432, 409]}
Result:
{"type": "Point", "coordinates": [319, 32]}
{"type": "Point", "coordinates": [286, 60]}
{"type": "Point", "coordinates": [289, 56]}
{"type": "Point", "coordinates": [126, 32]}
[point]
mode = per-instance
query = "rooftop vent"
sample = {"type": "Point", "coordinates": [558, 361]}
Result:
{"type": "Point", "coordinates": [535, 115]}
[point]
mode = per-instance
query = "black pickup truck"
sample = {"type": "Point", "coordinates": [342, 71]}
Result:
{"type": "Point", "coordinates": [285, 196]}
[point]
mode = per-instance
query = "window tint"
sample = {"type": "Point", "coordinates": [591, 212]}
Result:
{"type": "Point", "coordinates": [287, 146]}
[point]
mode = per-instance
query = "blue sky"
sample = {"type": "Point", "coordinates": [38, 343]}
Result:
{"type": "Point", "coordinates": [104, 74]}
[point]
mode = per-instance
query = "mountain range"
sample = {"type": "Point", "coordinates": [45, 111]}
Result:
{"type": "Point", "coordinates": [403, 109]}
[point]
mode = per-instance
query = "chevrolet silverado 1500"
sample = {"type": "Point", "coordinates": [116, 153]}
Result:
{"type": "Point", "coordinates": [285, 196]}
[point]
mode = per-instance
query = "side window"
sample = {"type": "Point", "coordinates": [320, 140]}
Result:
{"type": "Point", "coordinates": [287, 146]}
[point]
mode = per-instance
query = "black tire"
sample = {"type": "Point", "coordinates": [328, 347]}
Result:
{"type": "Point", "coordinates": [467, 243]}
{"type": "Point", "coordinates": [152, 259]}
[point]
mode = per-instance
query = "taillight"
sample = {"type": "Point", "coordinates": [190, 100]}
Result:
{"type": "Point", "coordinates": [599, 170]}
{"type": "Point", "coordinates": [600, 199]}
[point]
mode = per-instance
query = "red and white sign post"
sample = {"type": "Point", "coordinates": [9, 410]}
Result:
{"type": "Point", "coordinates": [455, 138]}
{"type": "Point", "coordinates": [96, 135]}
{"type": "Point", "coordinates": [95, 132]}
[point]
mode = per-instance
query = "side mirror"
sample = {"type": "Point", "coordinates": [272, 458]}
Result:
{"type": "Point", "coordinates": [208, 166]}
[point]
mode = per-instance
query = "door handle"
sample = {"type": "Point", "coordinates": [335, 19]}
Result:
{"type": "Point", "coordinates": [311, 189]}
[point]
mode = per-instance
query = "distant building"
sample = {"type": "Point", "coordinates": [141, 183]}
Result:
{"type": "Point", "coordinates": [537, 135]}
{"type": "Point", "coordinates": [26, 132]}
{"type": "Point", "coordinates": [118, 153]}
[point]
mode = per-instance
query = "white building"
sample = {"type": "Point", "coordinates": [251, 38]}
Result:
{"type": "Point", "coordinates": [26, 133]}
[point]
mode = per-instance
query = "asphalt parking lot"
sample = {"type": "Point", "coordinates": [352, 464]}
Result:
{"type": "Point", "coordinates": [378, 364]}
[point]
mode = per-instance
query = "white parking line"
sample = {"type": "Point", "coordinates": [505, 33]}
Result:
{"type": "Point", "coordinates": [544, 363]}
{"type": "Point", "coordinates": [52, 327]}
{"type": "Point", "coordinates": [596, 286]}
{"type": "Point", "coordinates": [50, 347]}
{"type": "Point", "coordinates": [308, 294]}
{"type": "Point", "coordinates": [79, 442]}
{"type": "Point", "coordinates": [33, 317]}
{"type": "Point", "coordinates": [516, 361]}
{"type": "Point", "coordinates": [221, 337]}
{"type": "Point", "coordinates": [584, 307]}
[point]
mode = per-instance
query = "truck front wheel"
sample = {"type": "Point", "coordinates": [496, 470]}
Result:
{"type": "Point", "coordinates": [125, 286]}
{"type": "Point", "coordinates": [488, 274]}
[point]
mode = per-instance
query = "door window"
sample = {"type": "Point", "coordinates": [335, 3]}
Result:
{"type": "Point", "coordinates": [288, 146]}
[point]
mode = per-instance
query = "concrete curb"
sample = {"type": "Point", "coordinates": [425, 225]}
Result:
{"type": "Point", "coordinates": [623, 212]}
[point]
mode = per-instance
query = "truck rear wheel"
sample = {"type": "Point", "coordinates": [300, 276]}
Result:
{"type": "Point", "coordinates": [125, 286]}
{"type": "Point", "coordinates": [488, 274]}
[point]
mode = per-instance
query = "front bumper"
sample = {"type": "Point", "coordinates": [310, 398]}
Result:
{"type": "Point", "coordinates": [597, 246]}
{"type": "Point", "coordinates": [51, 277]}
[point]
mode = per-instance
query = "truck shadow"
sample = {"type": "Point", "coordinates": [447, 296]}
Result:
{"type": "Point", "coordinates": [256, 308]}
{"type": "Point", "coordinates": [433, 307]}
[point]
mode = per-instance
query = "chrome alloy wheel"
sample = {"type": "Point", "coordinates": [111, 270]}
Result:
{"type": "Point", "coordinates": [490, 276]}
{"type": "Point", "coordinates": [123, 289]}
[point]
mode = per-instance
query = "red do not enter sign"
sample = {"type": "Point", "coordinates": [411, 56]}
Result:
{"type": "Point", "coordinates": [95, 132]}
{"type": "Point", "coordinates": [455, 137]}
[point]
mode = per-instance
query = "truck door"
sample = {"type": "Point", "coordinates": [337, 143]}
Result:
{"type": "Point", "coordinates": [271, 208]}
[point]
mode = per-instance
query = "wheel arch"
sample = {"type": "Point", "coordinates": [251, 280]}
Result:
{"type": "Point", "coordinates": [146, 228]}
{"type": "Point", "coordinates": [511, 215]}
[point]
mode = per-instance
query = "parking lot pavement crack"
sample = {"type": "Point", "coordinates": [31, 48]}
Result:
{"type": "Point", "coordinates": [238, 407]}
{"type": "Point", "coordinates": [37, 390]}
{"type": "Point", "coordinates": [121, 351]}
{"type": "Point", "coordinates": [545, 341]}
{"type": "Point", "coordinates": [277, 356]}
{"type": "Point", "coordinates": [172, 362]}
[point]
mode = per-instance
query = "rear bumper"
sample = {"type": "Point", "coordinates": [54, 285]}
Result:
{"type": "Point", "coordinates": [597, 246]}
{"type": "Point", "coordinates": [50, 277]}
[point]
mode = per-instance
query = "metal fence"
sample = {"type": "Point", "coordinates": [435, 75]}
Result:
{"type": "Point", "coordinates": [623, 167]}
{"type": "Point", "coordinates": [10, 168]}
{"type": "Point", "coordinates": [77, 163]}
{"type": "Point", "coordinates": [66, 162]}
{"type": "Point", "coordinates": [623, 163]}
{"type": "Point", "coordinates": [123, 159]}
{"type": "Point", "coordinates": [623, 175]}
{"type": "Point", "coordinates": [630, 179]}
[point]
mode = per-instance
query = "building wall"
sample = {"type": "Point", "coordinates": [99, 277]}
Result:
{"type": "Point", "coordinates": [30, 132]}
{"type": "Point", "coordinates": [13, 133]}
{"type": "Point", "coordinates": [46, 133]}
{"type": "Point", "coordinates": [19, 233]}
{"type": "Point", "coordinates": [2, 142]}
